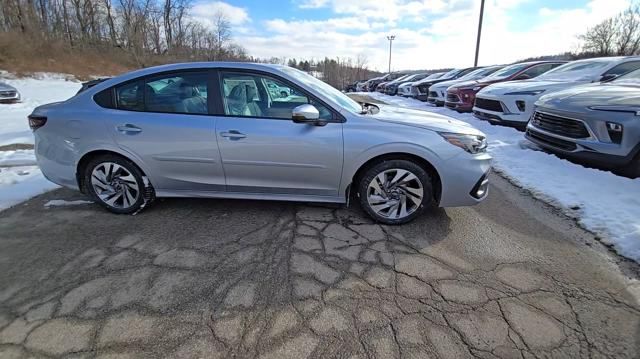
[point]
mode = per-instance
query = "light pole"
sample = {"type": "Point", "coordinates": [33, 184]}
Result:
{"type": "Point", "coordinates": [390, 38]}
{"type": "Point", "coordinates": [475, 62]}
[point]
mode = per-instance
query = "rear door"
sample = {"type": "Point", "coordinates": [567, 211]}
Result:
{"type": "Point", "coordinates": [164, 120]}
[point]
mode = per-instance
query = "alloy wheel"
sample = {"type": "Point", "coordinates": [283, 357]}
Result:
{"type": "Point", "coordinates": [395, 193]}
{"type": "Point", "coordinates": [115, 185]}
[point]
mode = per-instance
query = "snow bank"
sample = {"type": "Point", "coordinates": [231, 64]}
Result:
{"type": "Point", "coordinates": [42, 89]}
{"type": "Point", "coordinates": [603, 203]}
{"type": "Point", "coordinates": [17, 184]}
{"type": "Point", "coordinates": [63, 203]}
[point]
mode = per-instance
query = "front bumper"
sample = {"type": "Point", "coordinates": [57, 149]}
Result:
{"type": "Point", "coordinates": [509, 114]}
{"type": "Point", "coordinates": [465, 180]}
{"type": "Point", "coordinates": [9, 97]}
{"type": "Point", "coordinates": [586, 150]}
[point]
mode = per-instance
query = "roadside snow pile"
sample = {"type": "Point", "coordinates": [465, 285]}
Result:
{"type": "Point", "coordinates": [20, 178]}
{"type": "Point", "coordinates": [63, 203]}
{"type": "Point", "coordinates": [42, 89]}
{"type": "Point", "coordinates": [17, 184]}
{"type": "Point", "coordinates": [17, 158]}
{"type": "Point", "coordinates": [602, 202]}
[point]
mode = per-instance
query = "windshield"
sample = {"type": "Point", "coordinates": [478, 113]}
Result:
{"type": "Point", "coordinates": [630, 79]}
{"type": "Point", "coordinates": [451, 73]}
{"type": "Point", "coordinates": [576, 70]}
{"type": "Point", "coordinates": [324, 88]}
{"type": "Point", "coordinates": [435, 76]}
{"type": "Point", "coordinates": [422, 76]}
{"type": "Point", "coordinates": [507, 71]}
{"type": "Point", "coordinates": [405, 77]}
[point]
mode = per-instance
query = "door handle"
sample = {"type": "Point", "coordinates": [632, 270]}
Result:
{"type": "Point", "coordinates": [128, 128]}
{"type": "Point", "coordinates": [233, 134]}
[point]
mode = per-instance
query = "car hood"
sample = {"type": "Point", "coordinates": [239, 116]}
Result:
{"type": "Point", "coordinates": [502, 88]}
{"type": "Point", "coordinates": [422, 119]}
{"type": "Point", "coordinates": [6, 87]}
{"type": "Point", "coordinates": [593, 95]}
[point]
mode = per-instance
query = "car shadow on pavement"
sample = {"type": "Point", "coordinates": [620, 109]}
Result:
{"type": "Point", "coordinates": [231, 278]}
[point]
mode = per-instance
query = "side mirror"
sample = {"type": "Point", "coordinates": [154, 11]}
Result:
{"type": "Point", "coordinates": [523, 77]}
{"type": "Point", "coordinates": [307, 114]}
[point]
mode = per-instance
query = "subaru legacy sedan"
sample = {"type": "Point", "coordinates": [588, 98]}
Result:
{"type": "Point", "coordinates": [215, 130]}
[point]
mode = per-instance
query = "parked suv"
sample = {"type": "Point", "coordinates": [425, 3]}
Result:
{"type": "Point", "coordinates": [461, 97]}
{"type": "Point", "coordinates": [438, 92]}
{"type": "Point", "coordinates": [598, 124]}
{"type": "Point", "coordinates": [373, 84]}
{"type": "Point", "coordinates": [407, 90]}
{"type": "Point", "coordinates": [392, 87]}
{"type": "Point", "coordinates": [421, 88]}
{"type": "Point", "coordinates": [215, 130]}
{"type": "Point", "coordinates": [512, 102]}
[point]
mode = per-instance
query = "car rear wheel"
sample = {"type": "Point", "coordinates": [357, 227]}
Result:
{"type": "Point", "coordinates": [395, 191]}
{"type": "Point", "coordinates": [115, 183]}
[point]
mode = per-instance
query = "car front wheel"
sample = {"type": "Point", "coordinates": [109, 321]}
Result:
{"type": "Point", "coordinates": [395, 191]}
{"type": "Point", "coordinates": [115, 183]}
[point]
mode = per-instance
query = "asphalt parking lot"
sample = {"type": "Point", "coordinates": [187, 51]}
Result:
{"type": "Point", "coordinates": [229, 278]}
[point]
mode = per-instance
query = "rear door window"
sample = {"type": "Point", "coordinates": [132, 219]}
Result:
{"type": "Point", "coordinates": [177, 93]}
{"type": "Point", "coordinates": [130, 97]}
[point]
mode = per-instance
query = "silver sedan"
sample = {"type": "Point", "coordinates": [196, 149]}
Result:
{"type": "Point", "coordinates": [216, 130]}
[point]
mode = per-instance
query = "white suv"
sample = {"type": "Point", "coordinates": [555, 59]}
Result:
{"type": "Point", "coordinates": [511, 103]}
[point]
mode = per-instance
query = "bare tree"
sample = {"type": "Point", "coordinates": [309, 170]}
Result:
{"type": "Point", "coordinates": [221, 32]}
{"type": "Point", "coordinates": [618, 35]}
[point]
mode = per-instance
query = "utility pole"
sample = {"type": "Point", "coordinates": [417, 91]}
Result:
{"type": "Point", "coordinates": [391, 38]}
{"type": "Point", "coordinates": [475, 62]}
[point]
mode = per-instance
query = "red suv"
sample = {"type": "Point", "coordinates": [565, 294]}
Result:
{"type": "Point", "coordinates": [460, 97]}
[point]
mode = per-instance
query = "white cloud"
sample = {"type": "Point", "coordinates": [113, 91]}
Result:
{"type": "Point", "coordinates": [446, 40]}
{"type": "Point", "coordinates": [205, 11]}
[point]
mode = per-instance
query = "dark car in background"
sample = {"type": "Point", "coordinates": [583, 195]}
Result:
{"type": "Point", "coordinates": [461, 97]}
{"type": "Point", "coordinates": [422, 87]}
{"type": "Point", "coordinates": [596, 124]}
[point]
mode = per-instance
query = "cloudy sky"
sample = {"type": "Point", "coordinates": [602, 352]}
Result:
{"type": "Point", "coordinates": [429, 33]}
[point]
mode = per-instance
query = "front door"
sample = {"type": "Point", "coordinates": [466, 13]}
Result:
{"type": "Point", "coordinates": [164, 120]}
{"type": "Point", "coordinates": [264, 151]}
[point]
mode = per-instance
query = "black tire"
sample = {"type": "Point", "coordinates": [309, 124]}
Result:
{"type": "Point", "coordinates": [632, 170]}
{"type": "Point", "coordinates": [283, 94]}
{"type": "Point", "coordinates": [130, 167]}
{"type": "Point", "coordinates": [370, 174]}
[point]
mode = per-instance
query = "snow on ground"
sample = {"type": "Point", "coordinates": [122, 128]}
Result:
{"type": "Point", "coordinates": [63, 203]}
{"type": "Point", "coordinates": [42, 89]}
{"type": "Point", "coordinates": [602, 202]}
{"type": "Point", "coordinates": [20, 183]}
{"type": "Point", "coordinates": [20, 178]}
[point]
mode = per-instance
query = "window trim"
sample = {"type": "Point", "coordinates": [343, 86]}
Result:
{"type": "Point", "coordinates": [337, 117]}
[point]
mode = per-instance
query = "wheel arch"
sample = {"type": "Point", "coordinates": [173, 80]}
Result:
{"type": "Point", "coordinates": [421, 161]}
{"type": "Point", "coordinates": [88, 156]}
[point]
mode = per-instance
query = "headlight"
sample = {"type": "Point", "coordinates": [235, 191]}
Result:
{"type": "Point", "coordinates": [617, 108]}
{"type": "Point", "coordinates": [526, 93]}
{"type": "Point", "coordinates": [477, 88]}
{"type": "Point", "coordinates": [470, 143]}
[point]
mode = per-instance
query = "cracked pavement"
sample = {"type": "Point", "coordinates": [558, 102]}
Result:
{"type": "Point", "coordinates": [193, 278]}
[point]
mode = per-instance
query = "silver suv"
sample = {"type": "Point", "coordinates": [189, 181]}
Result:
{"type": "Point", "coordinates": [216, 130]}
{"type": "Point", "coordinates": [598, 124]}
